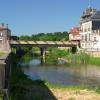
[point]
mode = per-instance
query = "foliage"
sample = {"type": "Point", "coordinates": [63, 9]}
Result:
{"type": "Point", "coordinates": [53, 55]}
{"type": "Point", "coordinates": [79, 58]}
{"type": "Point", "coordinates": [94, 60]}
{"type": "Point", "coordinates": [23, 88]}
{"type": "Point", "coordinates": [57, 36]}
{"type": "Point", "coordinates": [2, 53]}
{"type": "Point", "coordinates": [26, 57]}
{"type": "Point", "coordinates": [25, 37]}
{"type": "Point", "coordinates": [82, 58]}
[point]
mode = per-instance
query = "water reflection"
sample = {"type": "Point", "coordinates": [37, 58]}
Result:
{"type": "Point", "coordinates": [63, 74]}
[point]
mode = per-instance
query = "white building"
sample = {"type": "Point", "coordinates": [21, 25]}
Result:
{"type": "Point", "coordinates": [90, 30]}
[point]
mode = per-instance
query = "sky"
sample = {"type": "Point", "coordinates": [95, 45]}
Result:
{"type": "Point", "coordinates": [27, 17]}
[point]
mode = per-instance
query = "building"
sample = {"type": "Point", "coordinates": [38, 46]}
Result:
{"type": "Point", "coordinates": [90, 30]}
{"type": "Point", "coordinates": [74, 34]}
{"type": "Point", "coordinates": [5, 34]}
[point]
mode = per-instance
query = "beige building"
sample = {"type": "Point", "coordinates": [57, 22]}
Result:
{"type": "Point", "coordinates": [74, 34]}
{"type": "Point", "coordinates": [5, 34]}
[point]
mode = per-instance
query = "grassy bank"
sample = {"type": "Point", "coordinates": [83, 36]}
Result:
{"type": "Point", "coordinates": [1, 98]}
{"type": "Point", "coordinates": [53, 53]}
{"type": "Point", "coordinates": [94, 61]}
{"type": "Point", "coordinates": [77, 58]}
{"type": "Point", "coordinates": [82, 58]}
{"type": "Point", "coordinates": [1, 54]}
{"type": "Point", "coordinates": [75, 94]}
{"type": "Point", "coordinates": [23, 88]}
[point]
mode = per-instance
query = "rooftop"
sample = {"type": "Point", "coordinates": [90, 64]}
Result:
{"type": "Point", "coordinates": [75, 31]}
{"type": "Point", "coordinates": [3, 26]}
{"type": "Point", "coordinates": [90, 14]}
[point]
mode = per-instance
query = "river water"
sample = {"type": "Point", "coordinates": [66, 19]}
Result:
{"type": "Point", "coordinates": [63, 74]}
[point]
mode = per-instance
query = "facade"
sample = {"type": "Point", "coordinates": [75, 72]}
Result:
{"type": "Point", "coordinates": [90, 30]}
{"type": "Point", "coordinates": [5, 34]}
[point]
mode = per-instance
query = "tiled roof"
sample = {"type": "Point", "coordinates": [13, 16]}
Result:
{"type": "Point", "coordinates": [74, 31]}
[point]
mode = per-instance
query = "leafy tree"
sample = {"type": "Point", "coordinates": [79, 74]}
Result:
{"type": "Point", "coordinates": [56, 36]}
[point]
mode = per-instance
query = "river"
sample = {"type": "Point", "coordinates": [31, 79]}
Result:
{"type": "Point", "coordinates": [61, 74]}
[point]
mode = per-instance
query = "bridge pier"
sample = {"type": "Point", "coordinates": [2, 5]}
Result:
{"type": "Point", "coordinates": [43, 54]}
{"type": "Point", "coordinates": [74, 49]}
{"type": "Point", "coordinates": [43, 51]}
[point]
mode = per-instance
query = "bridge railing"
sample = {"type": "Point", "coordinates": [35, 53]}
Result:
{"type": "Point", "coordinates": [44, 42]}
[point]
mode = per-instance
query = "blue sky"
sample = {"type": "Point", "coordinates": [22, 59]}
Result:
{"type": "Point", "coordinates": [26, 17]}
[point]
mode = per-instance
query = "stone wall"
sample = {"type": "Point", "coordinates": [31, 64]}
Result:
{"type": "Point", "coordinates": [4, 71]}
{"type": "Point", "coordinates": [2, 76]}
{"type": "Point", "coordinates": [95, 53]}
{"type": "Point", "coordinates": [5, 34]}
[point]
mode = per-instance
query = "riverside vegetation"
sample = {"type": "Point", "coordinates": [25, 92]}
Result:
{"type": "Point", "coordinates": [1, 54]}
{"type": "Point", "coordinates": [23, 88]}
{"type": "Point", "coordinates": [54, 53]}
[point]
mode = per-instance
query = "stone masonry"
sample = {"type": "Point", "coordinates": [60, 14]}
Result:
{"type": "Point", "coordinates": [5, 34]}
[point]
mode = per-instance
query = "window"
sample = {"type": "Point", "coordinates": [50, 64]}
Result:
{"type": "Point", "coordinates": [85, 37]}
{"type": "Point", "coordinates": [89, 37]}
{"type": "Point", "coordinates": [82, 45]}
{"type": "Point", "coordinates": [95, 39]}
{"type": "Point", "coordinates": [88, 29]}
{"type": "Point", "coordinates": [0, 41]}
{"type": "Point", "coordinates": [85, 30]}
{"type": "Point", "coordinates": [94, 31]}
{"type": "Point", "coordinates": [1, 34]}
{"type": "Point", "coordinates": [82, 37]}
{"type": "Point", "coordinates": [81, 29]}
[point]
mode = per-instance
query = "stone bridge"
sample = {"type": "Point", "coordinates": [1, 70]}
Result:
{"type": "Point", "coordinates": [43, 44]}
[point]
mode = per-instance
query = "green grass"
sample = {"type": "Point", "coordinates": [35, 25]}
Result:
{"type": "Point", "coordinates": [79, 87]}
{"type": "Point", "coordinates": [23, 88]}
{"type": "Point", "coordinates": [50, 85]}
{"type": "Point", "coordinates": [1, 54]}
{"type": "Point", "coordinates": [1, 98]}
{"type": "Point", "coordinates": [80, 58]}
{"type": "Point", "coordinates": [94, 61]}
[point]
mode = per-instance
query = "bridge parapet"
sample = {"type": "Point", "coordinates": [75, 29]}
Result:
{"type": "Point", "coordinates": [52, 43]}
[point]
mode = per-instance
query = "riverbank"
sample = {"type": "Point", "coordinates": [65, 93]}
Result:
{"type": "Point", "coordinates": [75, 94]}
{"type": "Point", "coordinates": [2, 53]}
{"type": "Point", "coordinates": [82, 58]}
{"type": "Point", "coordinates": [53, 55]}
{"type": "Point", "coordinates": [26, 89]}
{"type": "Point", "coordinates": [23, 88]}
